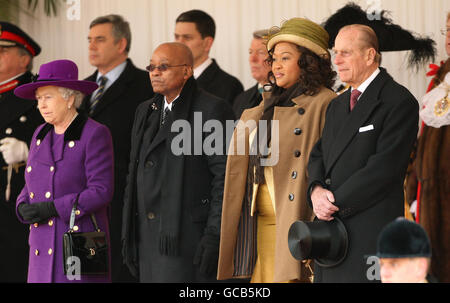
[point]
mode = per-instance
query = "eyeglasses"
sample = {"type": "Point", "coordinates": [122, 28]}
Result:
{"type": "Point", "coordinates": [445, 31]}
{"type": "Point", "coordinates": [162, 67]}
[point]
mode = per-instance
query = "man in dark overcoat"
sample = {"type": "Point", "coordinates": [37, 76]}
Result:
{"type": "Point", "coordinates": [173, 198]}
{"type": "Point", "coordinates": [18, 120]}
{"type": "Point", "coordinates": [356, 170]}
{"type": "Point", "coordinates": [197, 30]}
{"type": "Point", "coordinates": [122, 88]}
{"type": "Point", "coordinates": [260, 68]}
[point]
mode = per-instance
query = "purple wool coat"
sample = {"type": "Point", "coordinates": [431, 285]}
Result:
{"type": "Point", "coordinates": [82, 164]}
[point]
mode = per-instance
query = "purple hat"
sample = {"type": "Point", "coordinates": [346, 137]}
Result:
{"type": "Point", "coordinates": [62, 73]}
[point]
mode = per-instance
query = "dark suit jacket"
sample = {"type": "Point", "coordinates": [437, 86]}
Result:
{"type": "Point", "coordinates": [18, 118]}
{"type": "Point", "coordinates": [116, 110]}
{"type": "Point", "coordinates": [365, 170]}
{"type": "Point", "coordinates": [196, 181]}
{"type": "Point", "coordinates": [247, 99]}
{"type": "Point", "coordinates": [219, 83]}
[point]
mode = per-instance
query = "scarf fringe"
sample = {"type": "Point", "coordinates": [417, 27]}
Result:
{"type": "Point", "coordinates": [169, 245]}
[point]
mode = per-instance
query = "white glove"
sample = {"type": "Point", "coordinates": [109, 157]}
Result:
{"type": "Point", "coordinates": [413, 208]}
{"type": "Point", "coordinates": [13, 150]}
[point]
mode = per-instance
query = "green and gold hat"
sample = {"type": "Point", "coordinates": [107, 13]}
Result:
{"type": "Point", "coordinates": [302, 32]}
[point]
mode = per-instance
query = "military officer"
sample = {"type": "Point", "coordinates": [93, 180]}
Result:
{"type": "Point", "coordinates": [18, 120]}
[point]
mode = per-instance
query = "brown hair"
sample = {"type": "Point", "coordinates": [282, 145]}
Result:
{"type": "Point", "coordinates": [315, 72]}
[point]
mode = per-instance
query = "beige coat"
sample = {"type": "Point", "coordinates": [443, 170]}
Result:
{"type": "Point", "coordinates": [289, 178]}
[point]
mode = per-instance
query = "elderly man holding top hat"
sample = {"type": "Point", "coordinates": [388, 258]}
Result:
{"type": "Point", "coordinates": [70, 161]}
{"type": "Point", "coordinates": [264, 194]}
{"type": "Point", "coordinates": [18, 120]}
{"type": "Point", "coordinates": [356, 170]}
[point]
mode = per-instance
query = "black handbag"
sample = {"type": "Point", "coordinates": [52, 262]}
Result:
{"type": "Point", "coordinates": [91, 248]}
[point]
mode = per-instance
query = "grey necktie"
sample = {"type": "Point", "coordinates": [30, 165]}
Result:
{"type": "Point", "coordinates": [99, 94]}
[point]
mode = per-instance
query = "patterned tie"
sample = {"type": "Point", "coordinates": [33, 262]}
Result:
{"type": "Point", "coordinates": [165, 113]}
{"type": "Point", "coordinates": [99, 94]}
{"type": "Point", "coordinates": [353, 98]}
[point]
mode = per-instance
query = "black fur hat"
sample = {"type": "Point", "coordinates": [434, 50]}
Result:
{"type": "Point", "coordinates": [403, 239]}
{"type": "Point", "coordinates": [391, 37]}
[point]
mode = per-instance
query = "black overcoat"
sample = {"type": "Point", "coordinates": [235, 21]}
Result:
{"type": "Point", "coordinates": [116, 110]}
{"type": "Point", "coordinates": [196, 181]}
{"type": "Point", "coordinates": [362, 158]}
{"type": "Point", "coordinates": [219, 83]}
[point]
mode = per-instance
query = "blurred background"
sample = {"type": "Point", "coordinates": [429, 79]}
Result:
{"type": "Point", "coordinates": [61, 28]}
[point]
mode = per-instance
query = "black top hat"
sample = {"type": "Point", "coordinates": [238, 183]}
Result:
{"type": "Point", "coordinates": [11, 35]}
{"type": "Point", "coordinates": [391, 37]}
{"type": "Point", "coordinates": [324, 241]}
{"type": "Point", "coordinates": [403, 239]}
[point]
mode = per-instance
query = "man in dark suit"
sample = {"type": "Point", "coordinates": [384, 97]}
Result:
{"type": "Point", "coordinates": [173, 199]}
{"type": "Point", "coordinates": [197, 30]}
{"type": "Point", "coordinates": [260, 68]}
{"type": "Point", "coordinates": [18, 121]}
{"type": "Point", "coordinates": [356, 170]}
{"type": "Point", "coordinates": [122, 88]}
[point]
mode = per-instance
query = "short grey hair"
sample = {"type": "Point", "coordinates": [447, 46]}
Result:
{"type": "Point", "coordinates": [66, 93]}
{"type": "Point", "coordinates": [24, 52]}
{"type": "Point", "coordinates": [120, 28]}
{"type": "Point", "coordinates": [261, 34]}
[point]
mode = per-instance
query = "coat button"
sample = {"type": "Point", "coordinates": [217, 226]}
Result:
{"type": "Point", "coordinates": [50, 251]}
{"type": "Point", "coordinates": [297, 131]}
{"type": "Point", "coordinates": [149, 164]}
{"type": "Point", "coordinates": [291, 197]}
{"type": "Point", "coordinates": [48, 195]}
{"type": "Point", "coordinates": [328, 181]}
{"type": "Point", "coordinates": [29, 169]}
{"type": "Point", "coordinates": [71, 144]}
{"type": "Point", "coordinates": [77, 212]}
{"type": "Point", "coordinates": [294, 175]}
{"type": "Point", "coordinates": [297, 153]}
{"type": "Point", "coordinates": [75, 228]}
{"type": "Point", "coordinates": [151, 216]}
{"type": "Point", "coordinates": [36, 252]}
{"type": "Point", "coordinates": [8, 131]}
{"type": "Point", "coordinates": [31, 195]}
{"type": "Point", "coordinates": [301, 111]}
{"type": "Point", "coordinates": [38, 142]}
{"type": "Point", "coordinates": [50, 223]}
{"type": "Point", "coordinates": [23, 119]}
{"type": "Point", "coordinates": [52, 168]}
{"type": "Point", "coordinates": [205, 201]}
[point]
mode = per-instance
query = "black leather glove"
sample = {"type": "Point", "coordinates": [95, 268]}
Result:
{"type": "Point", "coordinates": [207, 254]}
{"type": "Point", "coordinates": [37, 212]}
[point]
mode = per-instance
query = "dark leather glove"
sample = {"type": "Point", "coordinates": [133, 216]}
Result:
{"type": "Point", "coordinates": [207, 254]}
{"type": "Point", "coordinates": [27, 211]}
{"type": "Point", "coordinates": [37, 212]}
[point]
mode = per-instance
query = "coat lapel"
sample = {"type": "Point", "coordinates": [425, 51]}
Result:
{"type": "Point", "coordinates": [44, 151]}
{"type": "Point", "coordinates": [208, 75]}
{"type": "Point", "coordinates": [114, 92]}
{"type": "Point", "coordinates": [368, 102]}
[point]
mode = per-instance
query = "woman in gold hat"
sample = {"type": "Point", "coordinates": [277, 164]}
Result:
{"type": "Point", "coordinates": [266, 182]}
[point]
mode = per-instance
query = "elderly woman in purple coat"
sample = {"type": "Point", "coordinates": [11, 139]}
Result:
{"type": "Point", "coordinates": [70, 155]}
